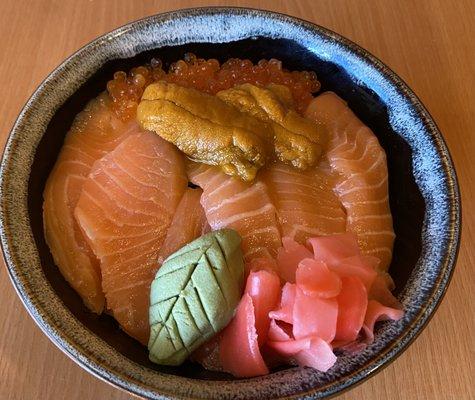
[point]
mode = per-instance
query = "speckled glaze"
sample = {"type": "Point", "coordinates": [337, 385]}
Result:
{"type": "Point", "coordinates": [433, 173]}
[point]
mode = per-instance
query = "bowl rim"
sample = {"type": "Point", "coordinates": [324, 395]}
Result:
{"type": "Point", "coordinates": [378, 362]}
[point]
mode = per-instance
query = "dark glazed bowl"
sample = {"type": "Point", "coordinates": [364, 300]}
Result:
{"type": "Point", "coordinates": [423, 190]}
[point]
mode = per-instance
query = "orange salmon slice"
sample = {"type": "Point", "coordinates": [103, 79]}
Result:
{"type": "Point", "coordinates": [189, 223]}
{"type": "Point", "coordinates": [95, 132]}
{"type": "Point", "coordinates": [247, 208]}
{"type": "Point", "coordinates": [125, 209]}
{"type": "Point", "coordinates": [305, 202]}
{"type": "Point", "coordinates": [355, 153]}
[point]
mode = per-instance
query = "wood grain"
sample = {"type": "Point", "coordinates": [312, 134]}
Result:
{"type": "Point", "coordinates": [430, 44]}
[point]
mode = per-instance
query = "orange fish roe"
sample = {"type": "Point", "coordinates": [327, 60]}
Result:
{"type": "Point", "coordinates": [208, 76]}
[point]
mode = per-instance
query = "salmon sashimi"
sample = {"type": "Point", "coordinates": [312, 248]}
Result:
{"type": "Point", "coordinates": [244, 207]}
{"type": "Point", "coordinates": [189, 222]}
{"type": "Point", "coordinates": [305, 202]}
{"type": "Point", "coordinates": [125, 209]}
{"type": "Point", "coordinates": [355, 153]}
{"type": "Point", "coordinates": [95, 132]}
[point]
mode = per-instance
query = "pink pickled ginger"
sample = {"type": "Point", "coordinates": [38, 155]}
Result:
{"type": "Point", "coordinates": [285, 312]}
{"type": "Point", "coordinates": [314, 316]}
{"type": "Point", "coordinates": [377, 312]}
{"type": "Point", "coordinates": [315, 279]}
{"type": "Point", "coordinates": [352, 304]}
{"type": "Point", "coordinates": [289, 257]}
{"type": "Point", "coordinates": [308, 352]}
{"type": "Point", "coordinates": [331, 299]}
{"type": "Point", "coordinates": [241, 340]}
{"type": "Point", "coordinates": [359, 266]}
{"type": "Point", "coordinates": [332, 249]}
{"type": "Point", "coordinates": [264, 289]}
{"type": "Point", "coordinates": [238, 348]}
{"type": "Point", "coordinates": [380, 291]}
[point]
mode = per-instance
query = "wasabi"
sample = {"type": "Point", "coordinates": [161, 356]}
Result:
{"type": "Point", "coordinates": [194, 295]}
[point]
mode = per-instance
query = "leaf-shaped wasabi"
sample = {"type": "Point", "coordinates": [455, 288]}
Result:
{"type": "Point", "coordinates": [194, 295]}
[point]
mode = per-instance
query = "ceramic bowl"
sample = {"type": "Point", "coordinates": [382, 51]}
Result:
{"type": "Point", "coordinates": [424, 195]}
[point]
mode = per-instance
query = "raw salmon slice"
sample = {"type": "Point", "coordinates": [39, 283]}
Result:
{"type": "Point", "coordinates": [305, 203]}
{"type": "Point", "coordinates": [95, 132]}
{"type": "Point", "coordinates": [247, 208]}
{"type": "Point", "coordinates": [125, 209]}
{"type": "Point", "coordinates": [189, 223]}
{"type": "Point", "coordinates": [355, 153]}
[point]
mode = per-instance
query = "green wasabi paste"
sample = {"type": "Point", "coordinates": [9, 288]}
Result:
{"type": "Point", "coordinates": [194, 295]}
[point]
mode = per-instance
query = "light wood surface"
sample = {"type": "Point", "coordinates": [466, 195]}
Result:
{"type": "Point", "coordinates": [430, 44]}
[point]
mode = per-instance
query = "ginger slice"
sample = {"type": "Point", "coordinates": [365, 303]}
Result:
{"type": "Point", "coordinates": [206, 128]}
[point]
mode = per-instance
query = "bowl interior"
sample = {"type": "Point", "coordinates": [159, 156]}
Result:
{"type": "Point", "coordinates": [406, 201]}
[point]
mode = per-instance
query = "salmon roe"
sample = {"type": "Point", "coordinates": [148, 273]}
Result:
{"type": "Point", "coordinates": [209, 76]}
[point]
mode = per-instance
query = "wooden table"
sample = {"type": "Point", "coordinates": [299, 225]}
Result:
{"type": "Point", "coordinates": [430, 44]}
